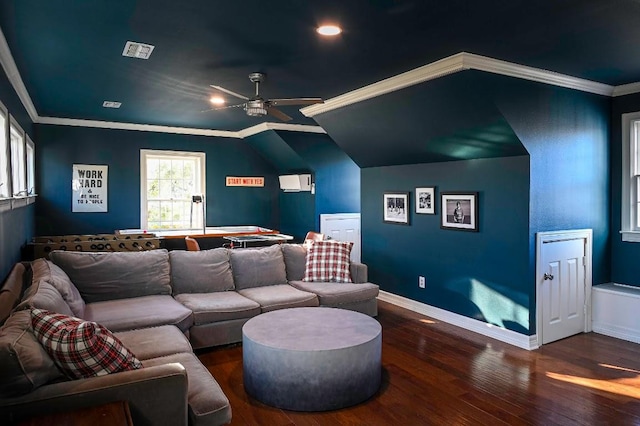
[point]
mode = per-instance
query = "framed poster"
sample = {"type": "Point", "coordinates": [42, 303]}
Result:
{"type": "Point", "coordinates": [396, 207]}
{"type": "Point", "coordinates": [459, 210]}
{"type": "Point", "coordinates": [89, 188]}
{"type": "Point", "coordinates": [425, 200]}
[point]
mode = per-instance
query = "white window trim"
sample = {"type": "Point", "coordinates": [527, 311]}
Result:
{"type": "Point", "coordinates": [13, 123]}
{"type": "Point", "coordinates": [7, 153]}
{"type": "Point", "coordinates": [29, 143]}
{"type": "Point", "coordinates": [628, 201]}
{"type": "Point", "coordinates": [143, 176]}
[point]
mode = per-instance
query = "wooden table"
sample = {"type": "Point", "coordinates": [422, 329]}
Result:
{"type": "Point", "coordinates": [111, 414]}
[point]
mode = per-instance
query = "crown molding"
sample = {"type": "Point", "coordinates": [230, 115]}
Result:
{"type": "Point", "coordinates": [249, 131]}
{"type": "Point", "coordinates": [626, 89]}
{"type": "Point", "coordinates": [138, 127]}
{"type": "Point", "coordinates": [496, 66]}
{"type": "Point", "coordinates": [453, 64]}
{"type": "Point", "coordinates": [11, 69]}
{"type": "Point", "coordinates": [263, 127]}
{"type": "Point", "coordinates": [441, 68]}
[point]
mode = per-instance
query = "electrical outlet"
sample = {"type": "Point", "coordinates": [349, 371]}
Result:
{"type": "Point", "coordinates": [422, 283]}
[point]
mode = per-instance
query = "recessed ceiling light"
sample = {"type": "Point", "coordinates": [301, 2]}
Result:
{"type": "Point", "coordinates": [329, 30]}
{"type": "Point", "coordinates": [111, 104]}
{"type": "Point", "coordinates": [217, 100]}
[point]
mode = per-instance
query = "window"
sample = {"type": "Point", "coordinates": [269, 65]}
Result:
{"type": "Point", "coordinates": [169, 179]}
{"type": "Point", "coordinates": [630, 223]}
{"type": "Point", "coordinates": [4, 155]}
{"type": "Point", "coordinates": [31, 166]}
{"type": "Point", "coordinates": [18, 160]}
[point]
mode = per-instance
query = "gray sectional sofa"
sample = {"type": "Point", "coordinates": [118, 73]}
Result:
{"type": "Point", "coordinates": [161, 305]}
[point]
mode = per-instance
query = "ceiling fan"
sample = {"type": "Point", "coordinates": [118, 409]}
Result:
{"type": "Point", "coordinates": [256, 106]}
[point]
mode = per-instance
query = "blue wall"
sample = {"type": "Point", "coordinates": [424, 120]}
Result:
{"type": "Point", "coordinates": [462, 269]}
{"type": "Point", "coordinates": [59, 147]}
{"type": "Point", "coordinates": [336, 177]}
{"type": "Point", "coordinates": [17, 223]}
{"type": "Point", "coordinates": [567, 135]}
{"type": "Point", "coordinates": [625, 268]}
{"type": "Point", "coordinates": [564, 184]}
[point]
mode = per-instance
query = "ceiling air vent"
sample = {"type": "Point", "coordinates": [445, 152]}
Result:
{"type": "Point", "coordinates": [137, 50]}
{"type": "Point", "coordinates": [111, 104]}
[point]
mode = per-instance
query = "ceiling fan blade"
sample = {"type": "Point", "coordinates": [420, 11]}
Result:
{"type": "Point", "coordinates": [296, 101]}
{"type": "Point", "coordinates": [222, 89]}
{"type": "Point", "coordinates": [277, 113]}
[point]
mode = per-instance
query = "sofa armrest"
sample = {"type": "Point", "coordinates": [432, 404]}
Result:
{"type": "Point", "coordinates": [156, 395]}
{"type": "Point", "coordinates": [359, 272]}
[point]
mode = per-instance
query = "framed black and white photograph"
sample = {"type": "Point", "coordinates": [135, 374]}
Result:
{"type": "Point", "coordinates": [459, 210]}
{"type": "Point", "coordinates": [396, 207]}
{"type": "Point", "coordinates": [425, 200]}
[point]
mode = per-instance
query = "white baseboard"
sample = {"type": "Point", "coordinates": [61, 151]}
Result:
{"type": "Point", "coordinates": [617, 332]}
{"type": "Point", "coordinates": [480, 327]}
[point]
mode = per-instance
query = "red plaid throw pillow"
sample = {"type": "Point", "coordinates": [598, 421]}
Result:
{"type": "Point", "coordinates": [328, 261]}
{"type": "Point", "coordinates": [81, 348]}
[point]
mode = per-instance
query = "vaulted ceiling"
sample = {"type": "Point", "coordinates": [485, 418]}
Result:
{"type": "Point", "coordinates": [69, 54]}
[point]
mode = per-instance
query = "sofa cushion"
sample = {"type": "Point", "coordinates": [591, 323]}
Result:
{"type": "Point", "coordinates": [336, 294]}
{"type": "Point", "coordinates": [24, 364]}
{"type": "Point", "coordinates": [154, 342]}
{"type": "Point", "coordinates": [200, 271]}
{"type": "Point", "coordinates": [258, 267]}
{"type": "Point", "coordinates": [116, 275]}
{"type": "Point", "coordinates": [81, 348]}
{"type": "Point", "coordinates": [295, 256]}
{"type": "Point", "coordinates": [208, 405]}
{"type": "Point", "coordinates": [48, 271]}
{"type": "Point", "coordinates": [281, 296]}
{"type": "Point", "coordinates": [219, 306]}
{"type": "Point", "coordinates": [328, 261]}
{"type": "Point", "coordinates": [139, 312]}
{"type": "Point", "coordinates": [43, 295]}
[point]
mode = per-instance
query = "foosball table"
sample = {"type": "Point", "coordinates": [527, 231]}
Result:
{"type": "Point", "coordinates": [42, 246]}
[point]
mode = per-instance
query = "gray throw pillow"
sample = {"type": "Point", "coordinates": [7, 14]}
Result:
{"type": "Point", "coordinates": [295, 256]}
{"type": "Point", "coordinates": [24, 364]}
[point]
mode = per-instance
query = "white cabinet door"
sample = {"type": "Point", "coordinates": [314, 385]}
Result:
{"type": "Point", "coordinates": [563, 289]}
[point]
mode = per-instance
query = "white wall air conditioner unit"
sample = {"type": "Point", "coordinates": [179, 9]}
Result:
{"type": "Point", "coordinates": [295, 183]}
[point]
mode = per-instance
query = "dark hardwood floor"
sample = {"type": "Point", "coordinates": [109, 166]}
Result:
{"type": "Point", "coordinates": [438, 374]}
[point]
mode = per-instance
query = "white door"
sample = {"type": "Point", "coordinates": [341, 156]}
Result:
{"type": "Point", "coordinates": [563, 289]}
{"type": "Point", "coordinates": [343, 227]}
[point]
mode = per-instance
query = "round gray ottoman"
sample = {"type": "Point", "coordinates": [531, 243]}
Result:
{"type": "Point", "coordinates": [312, 359]}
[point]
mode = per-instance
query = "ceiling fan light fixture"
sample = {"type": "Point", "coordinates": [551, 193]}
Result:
{"type": "Point", "coordinates": [255, 111]}
{"type": "Point", "coordinates": [329, 30]}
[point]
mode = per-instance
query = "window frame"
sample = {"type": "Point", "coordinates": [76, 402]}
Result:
{"type": "Point", "coordinates": [21, 173]}
{"type": "Point", "coordinates": [630, 209]}
{"type": "Point", "coordinates": [153, 153]}
{"type": "Point", "coordinates": [7, 154]}
{"type": "Point", "coordinates": [30, 166]}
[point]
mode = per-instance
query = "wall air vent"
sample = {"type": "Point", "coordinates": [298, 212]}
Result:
{"type": "Point", "coordinates": [111, 104]}
{"type": "Point", "coordinates": [137, 50]}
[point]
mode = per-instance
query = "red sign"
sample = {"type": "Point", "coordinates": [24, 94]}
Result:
{"type": "Point", "coordinates": [245, 181]}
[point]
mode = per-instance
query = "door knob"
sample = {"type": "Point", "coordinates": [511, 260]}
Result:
{"type": "Point", "coordinates": [548, 276]}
